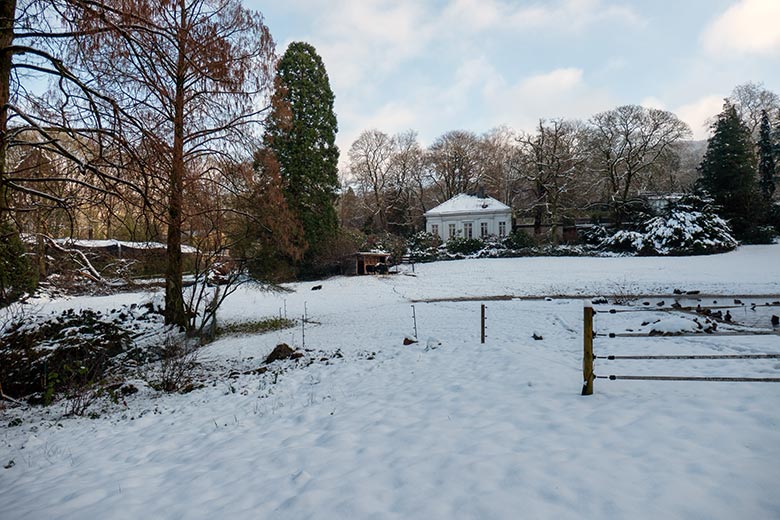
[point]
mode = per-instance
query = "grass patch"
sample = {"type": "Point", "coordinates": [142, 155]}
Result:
{"type": "Point", "coordinates": [255, 327]}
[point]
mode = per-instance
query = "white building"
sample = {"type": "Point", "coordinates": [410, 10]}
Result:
{"type": "Point", "coordinates": [469, 216]}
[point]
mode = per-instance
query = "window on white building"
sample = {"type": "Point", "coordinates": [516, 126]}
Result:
{"type": "Point", "coordinates": [435, 229]}
{"type": "Point", "coordinates": [502, 229]}
{"type": "Point", "coordinates": [452, 231]}
{"type": "Point", "coordinates": [483, 229]}
{"type": "Point", "coordinates": [467, 232]}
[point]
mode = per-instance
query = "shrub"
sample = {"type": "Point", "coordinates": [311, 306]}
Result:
{"type": "Point", "coordinates": [177, 366]}
{"type": "Point", "coordinates": [624, 242]}
{"type": "Point", "coordinates": [67, 354]}
{"type": "Point", "coordinates": [685, 232]}
{"type": "Point", "coordinates": [464, 246]}
{"type": "Point", "coordinates": [759, 235]}
{"type": "Point", "coordinates": [16, 275]}
{"type": "Point", "coordinates": [594, 235]}
{"type": "Point", "coordinates": [423, 247]}
{"type": "Point", "coordinates": [688, 227]}
{"type": "Point", "coordinates": [519, 239]}
{"type": "Point", "coordinates": [59, 354]}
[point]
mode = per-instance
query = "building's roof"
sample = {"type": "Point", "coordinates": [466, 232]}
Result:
{"type": "Point", "coordinates": [104, 244]}
{"type": "Point", "coordinates": [465, 204]}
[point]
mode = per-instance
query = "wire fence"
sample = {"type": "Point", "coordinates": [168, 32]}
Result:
{"type": "Point", "coordinates": [589, 358]}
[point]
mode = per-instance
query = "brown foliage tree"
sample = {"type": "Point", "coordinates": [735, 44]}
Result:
{"type": "Point", "coordinates": [190, 77]}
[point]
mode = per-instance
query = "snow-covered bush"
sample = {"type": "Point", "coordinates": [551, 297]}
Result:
{"type": "Point", "coordinates": [518, 239]}
{"type": "Point", "coordinates": [594, 235]}
{"type": "Point", "coordinates": [624, 242]}
{"type": "Point", "coordinates": [63, 355]}
{"type": "Point", "coordinates": [464, 246]}
{"type": "Point", "coordinates": [689, 227]}
{"type": "Point", "coordinates": [423, 247]}
{"type": "Point", "coordinates": [687, 232]}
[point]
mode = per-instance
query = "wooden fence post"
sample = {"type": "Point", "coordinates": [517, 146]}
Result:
{"type": "Point", "coordinates": [587, 354]}
{"type": "Point", "coordinates": [482, 335]}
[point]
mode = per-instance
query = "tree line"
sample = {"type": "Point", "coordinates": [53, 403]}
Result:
{"type": "Point", "coordinates": [567, 169]}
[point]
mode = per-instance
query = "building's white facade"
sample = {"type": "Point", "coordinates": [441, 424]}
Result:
{"type": "Point", "coordinates": [469, 216]}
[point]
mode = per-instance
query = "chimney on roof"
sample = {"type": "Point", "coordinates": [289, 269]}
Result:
{"type": "Point", "coordinates": [481, 192]}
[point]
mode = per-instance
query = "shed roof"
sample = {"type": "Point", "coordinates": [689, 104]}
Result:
{"type": "Point", "coordinates": [464, 203]}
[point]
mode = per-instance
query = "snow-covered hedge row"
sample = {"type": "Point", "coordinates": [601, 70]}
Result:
{"type": "Point", "coordinates": [424, 247]}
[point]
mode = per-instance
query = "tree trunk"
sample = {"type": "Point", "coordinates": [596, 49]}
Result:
{"type": "Point", "coordinates": [174, 299]}
{"type": "Point", "coordinates": [7, 12]}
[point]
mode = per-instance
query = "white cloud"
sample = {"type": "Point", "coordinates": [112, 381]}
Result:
{"type": "Point", "coordinates": [364, 40]}
{"type": "Point", "coordinates": [699, 113]}
{"type": "Point", "coordinates": [565, 15]}
{"type": "Point", "coordinates": [747, 27]}
{"type": "Point", "coordinates": [550, 83]}
{"type": "Point", "coordinates": [653, 102]}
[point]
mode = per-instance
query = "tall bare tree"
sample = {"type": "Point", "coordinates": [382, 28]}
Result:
{"type": "Point", "coordinates": [72, 119]}
{"type": "Point", "coordinates": [370, 159]}
{"type": "Point", "coordinates": [552, 161]}
{"type": "Point", "coordinates": [454, 162]}
{"type": "Point", "coordinates": [191, 78]}
{"type": "Point", "coordinates": [499, 156]}
{"type": "Point", "coordinates": [407, 169]}
{"type": "Point", "coordinates": [750, 100]}
{"type": "Point", "coordinates": [628, 142]}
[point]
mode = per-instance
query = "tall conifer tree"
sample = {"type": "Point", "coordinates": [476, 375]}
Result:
{"type": "Point", "coordinates": [728, 170]}
{"type": "Point", "coordinates": [301, 132]}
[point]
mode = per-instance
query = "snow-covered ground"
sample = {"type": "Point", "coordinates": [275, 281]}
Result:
{"type": "Point", "coordinates": [447, 427]}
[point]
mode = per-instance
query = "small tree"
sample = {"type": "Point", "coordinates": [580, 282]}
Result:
{"type": "Point", "coordinates": [728, 170]}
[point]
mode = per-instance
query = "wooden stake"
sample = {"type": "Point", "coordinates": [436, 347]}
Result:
{"type": "Point", "coordinates": [303, 330]}
{"type": "Point", "coordinates": [414, 319]}
{"type": "Point", "coordinates": [587, 354]}
{"type": "Point", "coordinates": [483, 324]}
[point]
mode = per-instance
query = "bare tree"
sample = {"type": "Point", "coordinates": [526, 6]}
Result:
{"type": "Point", "coordinates": [191, 78]}
{"type": "Point", "coordinates": [499, 155]}
{"type": "Point", "coordinates": [552, 161]}
{"type": "Point", "coordinates": [750, 99]}
{"type": "Point", "coordinates": [370, 158]}
{"type": "Point", "coordinates": [628, 142]}
{"type": "Point", "coordinates": [72, 120]}
{"type": "Point", "coordinates": [407, 171]}
{"type": "Point", "coordinates": [454, 162]}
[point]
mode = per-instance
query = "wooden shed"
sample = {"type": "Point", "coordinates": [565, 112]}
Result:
{"type": "Point", "coordinates": [372, 262]}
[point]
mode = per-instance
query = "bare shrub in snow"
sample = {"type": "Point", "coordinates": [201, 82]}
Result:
{"type": "Point", "coordinates": [178, 363]}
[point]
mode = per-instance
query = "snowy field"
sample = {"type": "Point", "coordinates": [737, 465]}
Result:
{"type": "Point", "coordinates": [443, 429]}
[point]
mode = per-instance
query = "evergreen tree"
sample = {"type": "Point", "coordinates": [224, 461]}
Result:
{"type": "Point", "coordinates": [16, 275]}
{"type": "Point", "coordinates": [766, 159]}
{"type": "Point", "coordinates": [728, 171]}
{"type": "Point", "coordinates": [301, 132]}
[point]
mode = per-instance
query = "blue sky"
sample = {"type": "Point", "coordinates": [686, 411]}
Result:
{"type": "Point", "coordinates": [441, 65]}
